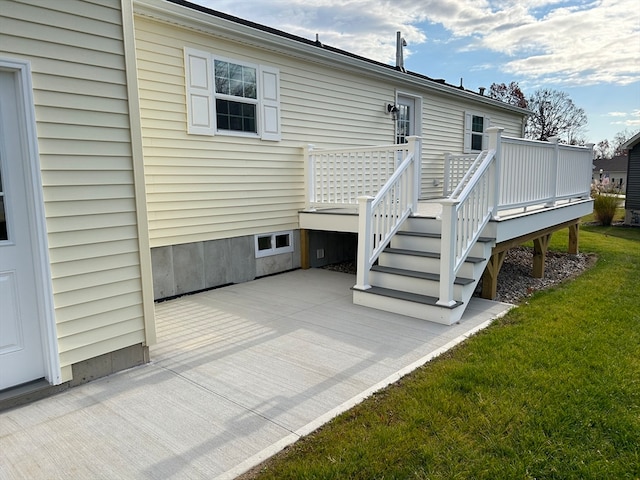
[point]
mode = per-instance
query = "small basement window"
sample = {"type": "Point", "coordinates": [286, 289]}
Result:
{"type": "Point", "coordinates": [274, 243]}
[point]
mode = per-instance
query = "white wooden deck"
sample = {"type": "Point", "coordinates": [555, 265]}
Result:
{"type": "Point", "coordinates": [512, 223]}
{"type": "Point", "coordinates": [238, 373]}
{"type": "Point", "coordinates": [481, 189]}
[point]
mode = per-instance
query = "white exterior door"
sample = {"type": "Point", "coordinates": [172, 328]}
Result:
{"type": "Point", "coordinates": [21, 346]}
{"type": "Point", "coordinates": [405, 118]}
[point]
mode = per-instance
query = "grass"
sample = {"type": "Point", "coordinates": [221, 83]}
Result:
{"type": "Point", "coordinates": [552, 391]}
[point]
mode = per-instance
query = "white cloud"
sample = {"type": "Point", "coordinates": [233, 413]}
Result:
{"type": "Point", "coordinates": [599, 44]}
{"type": "Point", "coordinates": [627, 119]}
{"type": "Point", "coordinates": [364, 27]}
{"type": "Point", "coordinates": [566, 42]}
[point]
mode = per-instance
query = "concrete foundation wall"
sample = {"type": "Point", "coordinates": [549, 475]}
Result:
{"type": "Point", "coordinates": [83, 372]}
{"type": "Point", "coordinates": [190, 267]}
{"type": "Point", "coordinates": [109, 363]}
{"type": "Point", "coordinates": [632, 217]}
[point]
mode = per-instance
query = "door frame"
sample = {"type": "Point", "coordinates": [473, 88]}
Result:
{"type": "Point", "coordinates": [417, 111]}
{"type": "Point", "coordinates": [37, 224]}
{"type": "Point", "coordinates": [417, 127]}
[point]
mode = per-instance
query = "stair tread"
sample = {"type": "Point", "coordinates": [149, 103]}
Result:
{"type": "Point", "coordinates": [419, 234]}
{"type": "Point", "coordinates": [416, 253]}
{"type": "Point", "coordinates": [437, 235]}
{"type": "Point", "coordinates": [411, 297]}
{"type": "Point", "coordinates": [416, 274]}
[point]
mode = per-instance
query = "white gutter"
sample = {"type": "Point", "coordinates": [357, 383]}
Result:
{"type": "Point", "coordinates": [220, 27]}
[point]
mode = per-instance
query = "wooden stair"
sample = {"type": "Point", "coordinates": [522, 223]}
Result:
{"type": "Point", "coordinates": [406, 278]}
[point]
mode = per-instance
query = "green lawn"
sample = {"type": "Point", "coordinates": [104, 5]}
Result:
{"type": "Point", "coordinates": [550, 391]}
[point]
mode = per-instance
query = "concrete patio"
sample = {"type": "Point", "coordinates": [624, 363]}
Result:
{"type": "Point", "coordinates": [238, 373]}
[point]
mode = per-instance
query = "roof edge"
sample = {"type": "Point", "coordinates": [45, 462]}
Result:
{"type": "Point", "coordinates": [191, 15]}
{"type": "Point", "coordinates": [632, 142]}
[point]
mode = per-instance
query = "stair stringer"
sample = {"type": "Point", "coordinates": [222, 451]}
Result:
{"type": "Point", "coordinates": [405, 279]}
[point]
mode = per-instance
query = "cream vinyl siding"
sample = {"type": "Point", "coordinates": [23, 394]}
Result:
{"type": "Point", "coordinates": [210, 187]}
{"type": "Point", "coordinates": [84, 142]}
{"type": "Point", "coordinates": [443, 131]}
{"type": "Point", "coordinates": [204, 188]}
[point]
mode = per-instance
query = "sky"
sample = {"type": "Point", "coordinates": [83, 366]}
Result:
{"type": "Point", "coordinates": [588, 49]}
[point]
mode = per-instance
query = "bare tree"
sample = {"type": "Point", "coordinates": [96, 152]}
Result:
{"type": "Point", "coordinates": [619, 140]}
{"type": "Point", "coordinates": [554, 115]}
{"type": "Point", "coordinates": [602, 150]}
{"type": "Point", "coordinates": [575, 136]}
{"type": "Point", "coordinates": [510, 94]}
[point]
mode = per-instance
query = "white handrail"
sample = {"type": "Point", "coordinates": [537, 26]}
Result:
{"type": "Point", "coordinates": [514, 173]}
{"type": "Point", "coordinates": [463, 220]}
{"type": "Point", "coordinates": [380, 217]}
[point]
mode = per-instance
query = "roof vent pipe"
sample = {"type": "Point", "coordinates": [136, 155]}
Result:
{"type": "Point", "coordinates": [481, 90]}
{"type": "Point", "coordinates": [400, 43]}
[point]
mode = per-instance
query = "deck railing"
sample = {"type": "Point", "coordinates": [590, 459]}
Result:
{"type": "Point", "coordinates": [383, 182]}
{"type": "Point", "coordinates": [535, 173]}
{"type": "Point", "coordinates": [336, 177]}
{"type": "Point", "coordinates": [531, 172]}
{"type": "Point", "coordinates": [465, 213]}
{"type": "Point", "coordinates": [380, 217]}
{"type": "Point", "coordinates": [456, 169]}
{"type": "Point", "coordinates": [514, 173]}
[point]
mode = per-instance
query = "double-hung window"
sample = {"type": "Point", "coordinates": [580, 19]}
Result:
{"type": "Point", "coordinates": [236, 95]}
{"type": "Point", "coordinates": [475, 127]}
{"type": "Point", "coordinates": [231, 97]}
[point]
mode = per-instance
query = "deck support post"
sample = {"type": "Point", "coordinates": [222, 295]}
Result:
{"type": "Point", "coordinates": [540, 247]}
{"type": "Point", "coordinates": [490, 275]}
{"type": "Point", "coordinates": [574, 237]}
{"type": "Point", "coordinates": [305, 264]}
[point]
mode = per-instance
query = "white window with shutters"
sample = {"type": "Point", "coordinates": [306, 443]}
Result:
{"type": "Point", "coordinates": [475, 128]}
{"type": "Point", "coordinates": [231, 97]}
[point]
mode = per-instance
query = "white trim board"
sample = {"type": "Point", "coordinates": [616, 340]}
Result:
{"type": "Point", "coordinates": [44, 291]}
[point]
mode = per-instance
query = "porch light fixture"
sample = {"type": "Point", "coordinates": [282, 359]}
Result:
{"type": "Point", "coordinates": [393, 110]}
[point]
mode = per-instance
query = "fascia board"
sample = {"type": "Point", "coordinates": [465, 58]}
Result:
{"type": "Point", "coordinates": [631, 142]}
{"type": "Point", "coordinates": [210, 24]}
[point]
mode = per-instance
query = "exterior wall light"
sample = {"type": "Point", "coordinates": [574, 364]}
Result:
{"type": "Point", "coordinates": [393, 110]}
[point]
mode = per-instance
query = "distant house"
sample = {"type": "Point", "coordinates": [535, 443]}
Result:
{"type": "Point", "coordinates": [165, 148]}
{"type": "Point", "coordinates": [632, 201]}
{"type": "Point", "coordinates": [611, 172]}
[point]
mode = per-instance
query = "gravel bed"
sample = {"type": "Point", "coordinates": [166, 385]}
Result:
{"type": "Point", "coordinates": [515, 282]}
